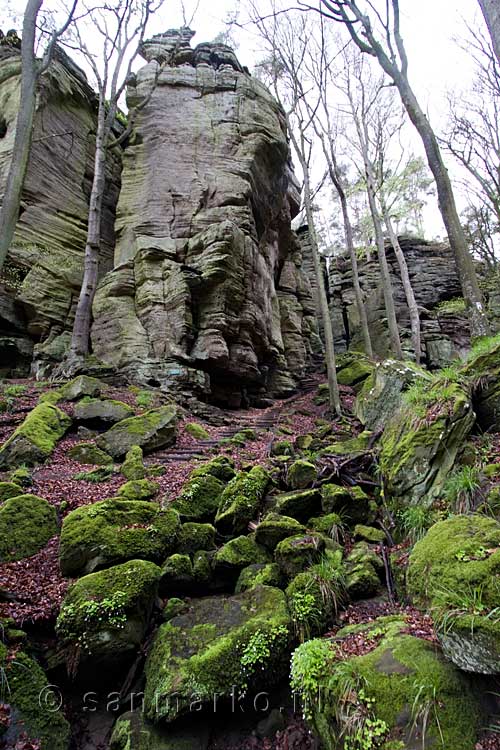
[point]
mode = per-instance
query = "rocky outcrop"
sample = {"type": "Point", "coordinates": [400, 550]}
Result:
{"type": "Point", "coordinates": [41, 279]}
{"type": "Point", "coordinates": [445, 329]}
{"type": "Point", "coordinates": [207, 290]}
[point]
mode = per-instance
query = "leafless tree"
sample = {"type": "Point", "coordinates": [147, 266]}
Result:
{"type": "Point", "coordinates": [384, 42]}
{"type": "Point", "coordinates": [31, 71]}
{"type": "Point", "coordinates": [120, 27]}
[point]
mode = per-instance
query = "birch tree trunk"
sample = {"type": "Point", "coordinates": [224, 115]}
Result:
{"type": "Point", "coordinates": [407, 286]}
{"type": "Point", "coordinates": [9, 211]}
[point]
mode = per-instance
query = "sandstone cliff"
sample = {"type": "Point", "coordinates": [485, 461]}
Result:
{"type": "Point", "coordinates": [41, 279]}
{"type": "Point", "coordinates": [207, 290]}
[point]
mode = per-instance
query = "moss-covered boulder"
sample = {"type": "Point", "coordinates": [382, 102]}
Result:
{"type": "Point", "coordinates": [220, 467]}
{"type": "Point", "coordinates": [133, 465]}
{"type": "Point", "coordinates": [351, 503]}
{"type": "Point", "coordinates": [113, 531]}
{"type": "Point", "coordinates": [106, 614]}
{"type": "Point", "coordinates": [97, 411]}
{"type": "Point", "coordinates": [420, 443]}
{"type": "Point", "coordinates": [89, 453]}
{"type": "Point", "coordinates": [195, 536]}
{"type": "Point", "coordinates": [197, 431]}
{"type": "Point", "coordinates": [368, 534]}
{"type": "Point", "coordinates": [282, 448]}
{"type": "Point", "coordinates": [241, 499]}
{"type": "Point", "coordinates": [237, 554]}
{"type": "Point", "coordinates": [23, 688]}
{"type": "Point", "coordinates": [330, 525]}
{"type": "Point", "coordinates": [299, 504]}
{"type": "Point", "coordinates": [387, 698]}
{"type": "Point", "coordinates": [259, 574]}
{"type": "Point", "coordinates": [382, 393]}
{"type": "Point", "coordinates": [81, 386]}
{"type": "Point", "coordinates": [349, 446]}
{"type": "Point", "coordinates": [455, 572]}
{"type": "Point", "coordinates": [199, 498]}
{"type": "Point", "coordinates": [274, 528]}
{"type": "Point", "coordinates": [298, 552]}
{"type": "Point", "coordinates": [222, 644]}
{"type": "Point", "coordinates": [132, 731]}
{"type": "Point", "coordinates": [152, 430]}
{"type": "Point", "coordinates": [354, 369]}
{"type": "Point", "coordinates": [177, 576]}
{"type": "Point", "coordinates": [301, 474]}
{"type": "Point", "coordinates": [138, 489]}
{"type": "Point", "coordinates": [8, 490]}
{"type": "Point", "coordinates": [35, 439]}
{"type": "Point", "coordinates": [363, 570]}
{"type": "Point", "coordinates": [27, 522]}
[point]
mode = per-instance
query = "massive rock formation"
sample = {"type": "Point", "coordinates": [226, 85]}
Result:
{"type": "Point", "coordinates": [42, 276]}
{"type": "Point", "coordinates": [445, 329]}
{"type": "Point", "coordinates": [207, 289]}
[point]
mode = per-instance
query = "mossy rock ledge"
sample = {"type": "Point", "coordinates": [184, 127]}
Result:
{"type": "Point", "coordinates": [152, 430]}
{"type": "Point", "coordinates": [114, 531]}
{"type": "Point", "coordinates": [401, 680]}
{"type": "Point", "coordinates": [455, 572]}
{"type": "Point", "coordinates": [221, 646]}
{"type": "Point", "coordinates": [35, 439]}
{"type": "Point", "coordinates": [27, 522]}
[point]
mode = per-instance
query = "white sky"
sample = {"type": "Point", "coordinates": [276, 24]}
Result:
{"type": "Point", "coordinates": [437, 64]}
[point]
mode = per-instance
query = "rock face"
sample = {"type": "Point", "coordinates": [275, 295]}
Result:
{"type": "Point", "coordinates": [41, 279]}
{"type": "Point", "coordinates": [207, 289]}
{"type": "Point", "coordinates": [445, 333]}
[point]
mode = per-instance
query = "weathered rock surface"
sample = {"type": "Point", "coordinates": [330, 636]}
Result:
{"type": "Point", "coordinates": [35, 439]}
{"type": "Point", "coordinates": [434, 280]}
{"type": "Point", "coordinates": [207, 288]}
{"type": "Point", "coordinates": [41, 279]}
{"type": "Point", "coordinates": [152, 430]}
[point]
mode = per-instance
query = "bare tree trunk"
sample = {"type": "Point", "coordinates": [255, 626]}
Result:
{"type": "Point", "coordinates": [83, 316]}
{"type": "Point", "coordinates": [491, 13]}
{"type": "Point", "coordinates": [9, 211]}
{"type": "Point", "coordinates": [407, 286]}
{"type": "Point", "coordinates": [335, 178]}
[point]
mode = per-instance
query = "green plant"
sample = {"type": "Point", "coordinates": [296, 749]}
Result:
{"type": "Point", "coordinates": [354, 715]}
{"type": "Point", "coordinates": [93, 614]}
{"type": "Point", "coordinates": [414, 521]}
{"type": "Point", "coordinates": [331, 579]}
{"type": "Point", "coordinates": [469, 601]}
{"type": "Point", "coordinates": [102, 474]}
{"type": "Point", "coordinates": [145, 399]}
{"type": "Point", "coordinates": [306, 614]}
{"type": "Point", "coordinates": [454, 306]}
{"type": "Point", "coordinates": [12, 391]}
{"type": "Point", "coordinates": [309, 668]}
{"type": "Point", "coordinates": [462, 488]}
{"type": "Point", "coordinates": [259, 648]}
{"type": "Point", "coordinates": [425, 708]}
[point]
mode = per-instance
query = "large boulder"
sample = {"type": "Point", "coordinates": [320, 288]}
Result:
{"type": "Point", "coordinates": [81, 386]}
{"type": "Point", "coordinates": [106, 614]}
{"type": "Point", "coordinates": [27, 522]}
{"type": "Point", "coordinates": [133, 732]}
{"type": "Point", "coordinates": [421, 441]}
{"type": "Point", "coordinates": [401, 694]}
{"type": "Point", "coordinates": [199, 497]}
{"type": "Point", "coordinates": [113, 531]}
{"type": "Point", "coordinates": [35, 439]}
{"type": "Point", "coordinates": [455, 572]}
{"type": "Point", "coordinates": [381, 394]}
{"type": "Point", "coordinates": [30, 701]}
{"type": "Point", "coordinates": [152, 430]}
{"type": "Point", "coordinates": [97, 411]}
{"type": "Point", "coordinates": [221, 646]}
{"type": "Point", "coordinates": [241, 500]}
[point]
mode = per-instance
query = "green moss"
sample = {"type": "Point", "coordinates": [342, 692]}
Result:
{"type": "Point", "coordinates": [237, 554]}
{"type": "Point", "coordinates": [274, 528]}
{"type": "Point", "coordinates": [220, 645]}
{"type": "Point", "coordinates": [145, 399]}
{"type": "Point", "coordinates": [298, 552]}
{"type": "Point", "coordinates": [400, 676]}
{"type": "Point", "coordinates": [220, 467]}
{"type": "Point", "coordinates": [138, 489]}
{"type": "Point", "coordinates": [102, 474]}
{"type": "Point", "coordinates": [303, 442]}
{"type": "Point", "coordinates": [109, 611]}
{"type": "Point", "coordinates": [22, 683]}
{"type": "Point", "coordinates": [21, 476]}
{"type": "Point", "coordinates": [199, 498]}
{"type": "Point", "coordinates": [88, 453]}
{"type": "Point", "coordinates": [259, 574]}
{"type": "Point", "coordinates": [300, 504]}
{"type": "Point", "coordinates": [151, 430]}
{"type": "Point", "coordinates": [202, 568]}
{"type": "Point", "coordinates": [8, 490]}
{"type": "Point", "coordinates": [27, 522]}
{"type": "Point", "coordinates": [83, 385]}
{"type": "Point", "coordinates": [369, 534]}
{"type": "Point", "coordinates": [35, 439]}
{"type": "Point", "coordinates": [241, 499]}
{"type": "Point", "coordinates": [197, 431]}
{"type": "Point", "coordinates": [177, 575]}
{"type": "Point", "coordinates": [195, 536]}
{"type": "Point", "coordinates": [301, 474]}
{"type": "Point", "coordinates": [133, 466]}
{"type": "Point", "coordinates": [112, 531]}
{"type": "Point", "coordinates": [357, 444]}
{"type": "Point", "coordinates": [331, 525]}
{"type": "Point", "coordinates": [354, 372]}
{"type": "Point", "coordinates": [282, 448]}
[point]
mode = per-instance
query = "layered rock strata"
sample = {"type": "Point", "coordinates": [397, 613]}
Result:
{"type": "Point", "coordinates": [207, 290]}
